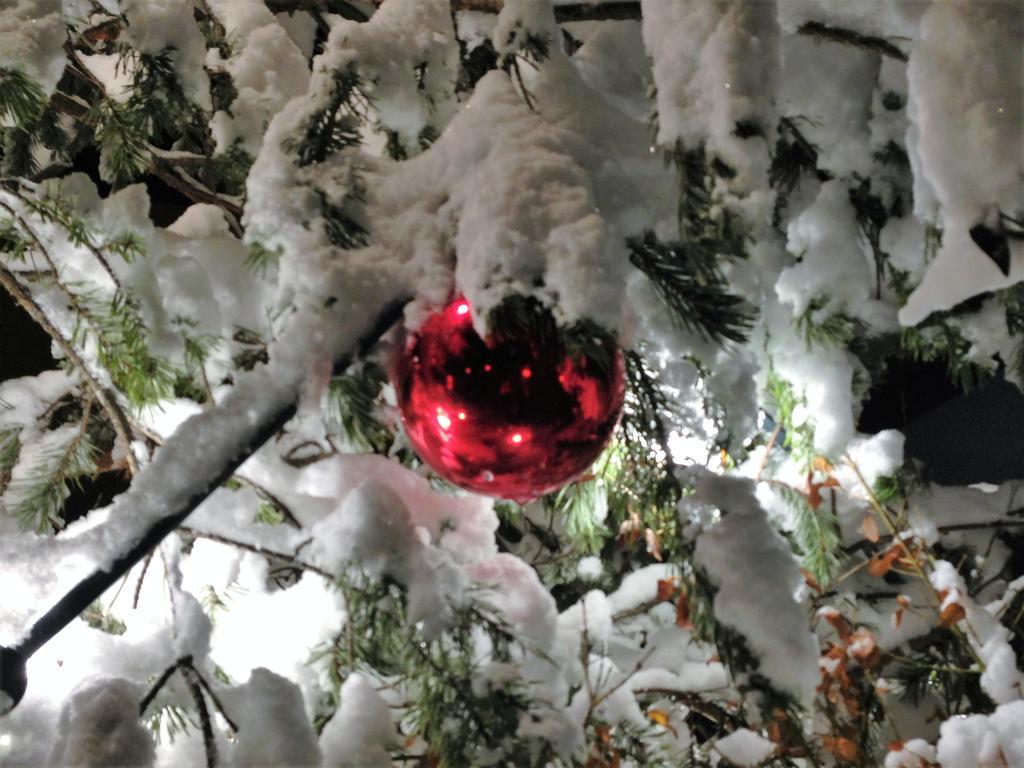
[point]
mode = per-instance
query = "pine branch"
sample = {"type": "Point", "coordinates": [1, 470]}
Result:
{"type": "Point", "coordinates": [336, 125]}
{"type": "Point", "coordinates": [54, 210]}
{"type": "Point", "coordinates": [109, 403]}
{"type": "Point", "coordinates": [160, 683]}
{"type": "Point", "coordinates": [258, 549]}
{"type": "Point", "coordinates": [37, 499]}
{"type": "Point", "coordinates": [352, 407]}
{"type": "Point", "coordinates": [834, 330]}
{"type": "Point", "coordinates": [694, 292]}
{"type": "Point", "coordinates": [10, 449]}
{"type": "Point", "coordinates": [816, 534]}
{"type": "Point", "coordinates": [21, 99]}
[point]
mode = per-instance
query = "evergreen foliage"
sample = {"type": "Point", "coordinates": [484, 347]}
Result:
{"type": "Point", "coordinates": [468, 695]}
{"type": "Point", "coordinates": [353, 407]}
{"type": "Point", "coordinates": [692, 288]}
{"type": "Point", "coordinates": [38, 498]}
{"type": "Point", "coordinates": [336, 125]}
{"type": "Point", "coordinates": [21, 98]}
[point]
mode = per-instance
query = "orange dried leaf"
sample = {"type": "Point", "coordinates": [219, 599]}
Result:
{"type": "Point", "coordinates": [839, 624]}
{"type": "Point", "coordinates": [863, 648]}
{"type": "Point", "coordinates": [814, 497]}
{"type": "Point", "coordinates": [810, 581]}
{"type": "Point", "coordinates": [661, 717]}
{"type": "Point", "coordinates": [683, 611]}
{"type": "Point", "coordinates": [821, 464]}
{"type": "Point", "coordinates": [894, 746]}
{"type": "Point", "coordinates": [666, 588]}
{"type": "Point", "coordinates": [630, 530]}
{"type": "Point", "coordinates": [951, 614]}
{"type": "Point", "coordinates": [869, 528]}
{"type": "Point", "coordinates": [653, 544]}
{"type": "Point", "coordinates": [883, 562]}
{"type": "Point", "coordinates": [841, 747]}
{"type": "Point", "coordinates": [658, 716]}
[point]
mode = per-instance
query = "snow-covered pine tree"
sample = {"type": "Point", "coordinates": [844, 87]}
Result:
{"type": "Point", "coordinates": [763, 203]}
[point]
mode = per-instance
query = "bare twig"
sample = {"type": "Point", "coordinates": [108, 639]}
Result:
{"type": "Point", "coordinates": [142, 576]}
{"type": "Point", "coordinates": [197, 193]}
{"type": "Point", "coordinates": [266, 495]}
{"type": "Point", "coordinates": [290, 559]}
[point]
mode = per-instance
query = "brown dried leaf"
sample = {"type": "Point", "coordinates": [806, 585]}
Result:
{"type": "Point", "coordinates": [883, 562]}
{"type": "Point", "coordinates": [951, 614]}
{"type": "Point", "coordinates": [863, 648]}
{"type": "Point", "coordinates": [630, 530]}
{"type": "Point", "coordinates": [661, 717]}
{"type": "Point", "coordinates": [667, 588]}
{"type": "Point", "coordinates": [840, 625]}
{"type": "Point", "coordinates": [683, 611]}
{"type": "Point", "coordinates": [653, 543]}
{"type": "Point", "coordinates": [810, 581]}
{"type": "Point", "coordinates": [842, 747]}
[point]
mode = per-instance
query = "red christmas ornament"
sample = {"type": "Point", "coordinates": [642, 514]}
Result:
{"type": "Point", "coordinates": [515, 418]}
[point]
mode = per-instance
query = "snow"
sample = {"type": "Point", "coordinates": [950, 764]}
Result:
{"type": "Point", "coordinates": [515, 198]}
{"type": "Point", "coordinates": [268, 70]}
{"type": "Point", "coordinates": [983, 740]}
{"type": "Point", "coordinates": [1000, 678]}
{"type": "Point", "coordinates": [741, 550]}
{"type": "Point", "coordinates": [32, 40]}
{"type": "Point", "coordinates": [158, 25]}
{"type": "Point", "coordinates": [373, 531]}
{"type": "Point", "coordinates": [744, 748]}
{"type": "Point", "coordinates": [99, 726]}
{"type": "Point", "coordinates": [397, 38]}
{"type": "Point", "coordinates": [914, 754]}
{"type": "Point", "coordinates": [514, 589]}
{"type": "Point", "coordinates": [272, 723]}
{"type": "Point", "coordinates": [833, 262]}
{"type": "Point", "coordinates": [361, 730]}
{"type": "Point", "coordinates": [966, 114]}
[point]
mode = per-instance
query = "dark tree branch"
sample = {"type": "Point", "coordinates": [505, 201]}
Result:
{"type": "Point", "coordinates": [209, 742]}
{"type": "Point", "coordinates": [344, 9]}
{"type": "Point", "coordinates": [231, 451]}
{"type": "Point", "coordinates": [849, 37]}
{"type": "Point", "coordinates": [160, 683]}
{"type": "Point", "coordinates": [610, 11]}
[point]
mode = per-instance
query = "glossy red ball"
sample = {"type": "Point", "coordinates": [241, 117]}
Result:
{"type": "Point", "coordinates": [515, 418]}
